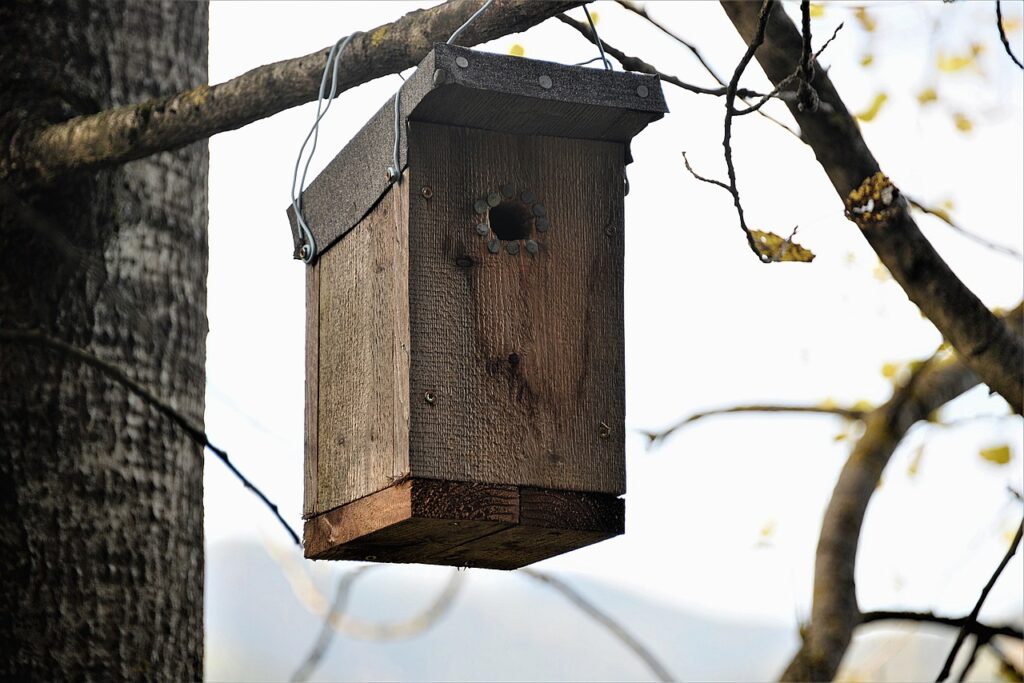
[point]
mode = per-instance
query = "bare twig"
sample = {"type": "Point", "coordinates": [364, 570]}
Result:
{"type": "Point", "coordinates": [1002, 34]}
{"type": "Point", "coordinates": [134, 131]}
{"type": "Point", "coordinates": [730, 99]}
{"type": "Point", "coordinates": [944, 217]}
{"type": "Point", "coordinates": [631, 63]}
{"type": "Point", "coordinates": [806, 96]}
{"type": "Point", "coordinates": [973, 627]}
{"type": "Point", "coordinates": [114, 373]}
{"type": "Point", "coordinates": [979, 643]}
{"type": "Point", "coordinates": [326, 634]}
{"type": "Point", "coordinates": [642, 12]}
{"type": "Point", "coordinates": [846, 413]}
{"type": "Point", "coordinates": [616, 629]}
{"type": "Point", "coordinates": [335, 619]}
{"type": "Point", "coordinates": [703, 179]}
{"type": "Point", "coordinates": [973, 616]}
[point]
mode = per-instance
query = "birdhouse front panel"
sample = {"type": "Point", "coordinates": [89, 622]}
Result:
{"type": "Point", "coordinates": [465, 361]}
{"type": "Point", "coordinates": [516, 259]}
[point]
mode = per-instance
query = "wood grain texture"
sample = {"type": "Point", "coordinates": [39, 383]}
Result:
{"type": "Point", "coordinates": [363, 360]}
{"type": "Point", "coordinates": [311, 441]}
{"type": "Point", "coordinates": [521, 354]}
{"type": "Point", "coordinates": [463, 524]}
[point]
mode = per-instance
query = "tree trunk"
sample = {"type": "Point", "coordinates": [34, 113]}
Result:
{"type": "Point", "coordinates": [101, 518]}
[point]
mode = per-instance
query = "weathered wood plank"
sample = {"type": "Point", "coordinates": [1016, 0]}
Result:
{"type": "Point", "coordinates": [363, 431]}
{"type": "Point", "coordinates": [463, 524]}
{"type": "Point", "coordinates": [516, 373]}
{"type": "Point", "coordinates": [311, 442]}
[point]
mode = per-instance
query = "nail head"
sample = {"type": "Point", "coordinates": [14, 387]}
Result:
{"type": "Point", "coordinates": [531, 246]}
{"type": "Point", "coordinates": [642, 91]}
{"type": "Point", "coordinates": [493, 199]}
{"type": "Point", "coordinates": [482, 229]}
{"type": "Point", "coordinates": [508, 191]}
{"type": "Point", "coordinates": [462, 62]}
{"type": "Point", "coordinates": [545, 81]}
{"type": "Point", "coordinates": [494, 246]}
{"type": "Point", "coordinates": [480, 206]}
{"type": "Point", "coordinates": [539, 210]}
{"type": "Point", "coordinates": [513, 248]}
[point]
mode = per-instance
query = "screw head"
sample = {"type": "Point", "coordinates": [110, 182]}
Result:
{"type": "Point", "coordinates": [426, 191]}
{"type": "Point", "coordinates": [542, 224]}
{"type": "Point", "coordinates": [493, 199]}
{"type": "Point", "coordinates": [531, 246]}
{"type": "Point", "coordinates": [642, 90]}
{"type": "Point", "coordinates": [513, 248]}
{"type": "Point", "coordinates": [482, 229]}
{"type": "Point", "coordinates": [462, 62]}
{"type": "Point", "coordinates": [494, 246]}
{"type": "Point", "coordinates": [545, 82]}
{"type": "Point", "coordinates": [480, 206]}
{"type": "Point", "coordinates": [508, 191]}
{"type": "Point", "coordinates": [603, 430]}
{"type": "Point", "coordinates": [429, 397]}
{"type": "Point", "coordinates": [304, 252]}
{"type": "Point", "coordinates": [539, 210]}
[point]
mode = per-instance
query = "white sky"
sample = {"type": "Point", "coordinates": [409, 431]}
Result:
{"type": "Point", "coordinates": [706, 324]}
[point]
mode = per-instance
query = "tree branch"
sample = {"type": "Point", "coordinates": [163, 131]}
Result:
{"type": "Point", "coordinates": [834, 612]}
{"type": "Point", "coordinates": [117, 375]}
{"type": "Point", "coordinates": [616, 629]}
{"type": "Point", "coordinates": [973, 616]}
{"type": "Point", "coordinates": [973, 627]}
{"type": "Point", "coordinates": [112, 137]}
{"type": "Point", "coordinates": [1002, 34]}
{"type": "Point", "coordinates": [984, 342]}
{"type": "Point", "coordinates": [847, 413]}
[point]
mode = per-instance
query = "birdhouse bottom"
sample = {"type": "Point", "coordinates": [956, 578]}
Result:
{"type": "Point", "coordinates": [463, 524]}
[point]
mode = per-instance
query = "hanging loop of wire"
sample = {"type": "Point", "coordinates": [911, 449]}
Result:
{"type": "Point", "coordinates": [597, 39]}
{"type": "Point", "coordinates": [308, 250]}
{"type": "Point", "coordinates": [472, 18]}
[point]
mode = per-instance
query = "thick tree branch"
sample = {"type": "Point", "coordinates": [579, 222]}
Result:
{"type": "Point", "coordinates": [834, 612]}
{"type": "Point", "coordinates": [985, 343]}
{"type": "Point", "coordinates": [115, 136]}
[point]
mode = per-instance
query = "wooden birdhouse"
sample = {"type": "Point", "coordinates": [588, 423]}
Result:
{"type": "Point", "coordinates": [464, 342]}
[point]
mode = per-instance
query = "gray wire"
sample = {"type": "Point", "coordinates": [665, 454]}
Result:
{"type": "Point", "coordinates": [472, 18]}
{"type": "Point", "coordinates": [308, 250]}
{"type": "Point", "coordinates": [597, 39]}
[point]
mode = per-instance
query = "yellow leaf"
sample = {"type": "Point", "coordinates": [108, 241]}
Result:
{"type": "Point", "coordinates": [517, 50]}
{"type": "Point", "coordinates": [841, 436]}
{"type": "Point", "coordinates": [927, 96]}
{"type": "Point", "coordinates": [942, 213]}
{"type": "Point", "coordinates": [1010, 24]}
{"type": "Point", "coordinates": [881, 273]}
{"type": "Point", "coordinates": [778, 249]}
{"type": "Point", "coordinates": [890, 370]}
{"type": "Point", "coordinates": [963, 124]}
{"type": "Point", "coordinates": [768, 530]}
{"type": "Point", "coordinates": [867, 60]}
{"type": "Point", "coordinates": [872, 111]}
{"type": "Point", "coordinates": [867, 22]}
{"type": "Point", "coordinates": [951, 63]}
{"type": "Point", "coordinates": [1000, 455]}
{"type": "Point", "coordinates": [594, 17]}
{"type": "Point", "coordinates": [818, 11]}
{"type": "Point", "coordinates": [948, 204]}
{"type": "Point", "coordinates": [828, 404]}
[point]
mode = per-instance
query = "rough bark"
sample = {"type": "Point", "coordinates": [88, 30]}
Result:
{"type": "Point", "coordinates": [41, 153]}
{"type": "Point", "coordinates": [101, 537]}
{"type": "Point", "coordinates": [984, 341]}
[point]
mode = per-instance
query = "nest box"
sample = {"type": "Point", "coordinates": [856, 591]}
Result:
{"type": "Point", "coordinates": [464, 339]}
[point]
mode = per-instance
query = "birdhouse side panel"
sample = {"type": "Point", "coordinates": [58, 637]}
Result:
{"type": "Point", "coordinates": [516, 309]}
{"type": "Point", "coordinates": [362, 407]}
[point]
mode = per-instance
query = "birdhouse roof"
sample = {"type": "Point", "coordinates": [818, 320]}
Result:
{"type": "Point", "coordinates": [461, 87]}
